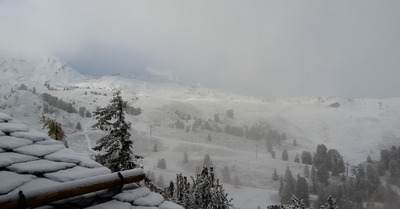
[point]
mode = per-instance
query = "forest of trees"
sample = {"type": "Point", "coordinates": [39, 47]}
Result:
{"type": "Point", "coordinates": [364, 188]}
{"type": "Point", "coordinates": [59, 103]}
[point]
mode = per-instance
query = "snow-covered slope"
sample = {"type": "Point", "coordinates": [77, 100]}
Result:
{"type": "Point", "coordinates": [37, 70]}
{"type": "Point", "coordinates": [357, 128]}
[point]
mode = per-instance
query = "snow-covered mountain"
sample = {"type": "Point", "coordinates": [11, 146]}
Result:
{"type": "Point", "coordinates": [37, 70]}
{"type": "Point", "coordinates": [355, 127]}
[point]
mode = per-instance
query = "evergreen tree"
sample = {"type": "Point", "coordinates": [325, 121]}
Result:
{"type": "Point", "coordinates": [306, 158]}
{"type": "Point", "coordinates": [323, 174]}
{"type": "Point", "coordinates": [285, 155]}
{"type": "Point", "coordinates": [205, 192]}
{"type": "Point", "coordinates": [275, 176]}
{"type": "Point", "coordinates": [320, 155]}
{"type": "Point", "coordinates": [369, 160]}
{"type": "Point", "coordinates": [306, 171]}
{"type": "Point", "coordinates": [207, 161]}
{"type": "Point", "coordinates": [314, 182]}
{"type": "Point", "coordinates": [78, 126]}
{"type": "Point", "coordinates": [55, 131]}
{"type": "Point", "coordinates": [302, 190]}
{"type": "Point", "coordinates": [273, 154]}
{"type": "Point", "coordinates": [117, 144]}
{"type": "Point", "coordinates": [230, 114]}
{"type": "Point", "coordinates": [162, 164]}
{"type": "Point", "coordinates": [330, 204]}
{"type": "Point", "coordinates": [297, 159]}
{"type": "Point", "coordinates": [288, 187]}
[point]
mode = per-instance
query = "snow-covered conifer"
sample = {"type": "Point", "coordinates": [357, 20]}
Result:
{"type": "Point", "coordinates": [55, 131]}
{"type": "Point", "coordinates": [116, 145]}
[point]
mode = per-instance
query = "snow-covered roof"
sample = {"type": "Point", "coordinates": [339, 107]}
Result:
{"type": "Point", "coordinates": [31, 161]}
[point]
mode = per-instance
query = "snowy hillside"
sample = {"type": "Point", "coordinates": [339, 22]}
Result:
{"type": "Point", "coordinates": [355, 127]}
{"type": "Point", "coordinates": [37, 70]}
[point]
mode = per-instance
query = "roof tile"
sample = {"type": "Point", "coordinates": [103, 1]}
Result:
{"type": "Point", "coordinates": [10, 181]}
{"type": "Point", "coordinates": [64, 155]}
{"type": "Point", "coordinates": [13, 127]}
{"type": "Point", "coordinates": [38, 167]}
{"type": "Point", "coordinates": [76, 173]}
{"type": "Point", "coordinates": [31, 135]}
{"type": "Point", "coordinates": [39, 150]}
{"type": "Point", "coordinates": [9, 142]}
{"type": "Point", "coordinates": [113, 204]}
{"type": "Point", "coordinates": [9, 158]}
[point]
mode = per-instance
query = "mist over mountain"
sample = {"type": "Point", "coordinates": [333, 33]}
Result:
{"type": "Point", "coordinates": [236, 131]}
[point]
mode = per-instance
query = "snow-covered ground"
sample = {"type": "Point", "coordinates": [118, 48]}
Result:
{"type": "Point", "coordinates": [358, 128]}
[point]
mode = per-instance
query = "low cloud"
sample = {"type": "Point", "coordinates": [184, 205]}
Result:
{"type": "Point", "coordinates": [262, 48]}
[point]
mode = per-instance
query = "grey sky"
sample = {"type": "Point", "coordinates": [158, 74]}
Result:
{"type": "Point", "coordinates": [264, 48]}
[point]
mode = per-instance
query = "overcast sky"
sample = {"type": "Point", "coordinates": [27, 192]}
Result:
{"type": "Point", "coordinates": [263, 48]}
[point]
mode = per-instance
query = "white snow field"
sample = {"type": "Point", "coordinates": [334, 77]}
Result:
{"type": "Point", "coordinates": [357, 128]}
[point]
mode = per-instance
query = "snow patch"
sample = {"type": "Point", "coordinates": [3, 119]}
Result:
{"type": "Point", "coordinates": [76, 173]}
{"type": "Point", "coordinates": [2, 133]}
{"type": "Point", "coordinates": [9, 143]}
{"type": "Point", "coordinates": [64, 155]}
{"type": "Point", "coordinates": [112, 204]}
{"type": "Point", "coordinates": [89, 163]}
{"type": "Point", "coordinates": [34, 184]}
{"type": "Point", "coordinates": [10, 181]}
{"type": "Point", "coordinates": [169, 205]}
{"type": "Point", "coordinates": [5, 117]}
{"type": "Point", "coordinates": [132, 195]}
{"type": "Point", "coordinates": [143, 207]}
{"type": "Point", "coordinates": [31, 135]}
{"type": "Point", "coordinates": [39, 167]}
{"type": "Point", "coordinates": [39, 150]}
{"type": "Point", "coordinates": [49, 142]}
{"type": "Point", "coordinates": [13, 127]}
{"type": "Point", "coordinates": [153, 199]}
{"type": "Point", "coordinates": [8, 158]}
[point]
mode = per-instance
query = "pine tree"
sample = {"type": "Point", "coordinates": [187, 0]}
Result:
{"type": "Point", "coordinates": [117, 144]}
{"type": "Point", "coordinates": [288, 187]}
{"type": "Point", "coordinates": [330, 204]}
{"type": "Point", "coordinates": [275, 176]}
{"type": "Point", "coordinates": [204, 192]}
{"type": "Point", "coordinates": [297, 159]}
{"type": "Point", "coordinates": [162, 164]}
{"type": "Point", "coordinates": [273, 154]}
{"type": "Point", "coordinates": [207, 161]}
{"type": "Point", "coordinates": [306, 171]}
{"type": "Point", "coordinates": [369, 160]}
{"type": "Point", "coordinates": [314, 182]}
{"type": "Point", "coordinates": [285, 155]}
{"type": "Point", "coordinates": [78, 126]}
{"type": "Point", "coordinates": [55, 131]}
{"type": "Point", "coordinates": [301, 190]}
{"type": "Point", "coordinates": [323, 174]}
